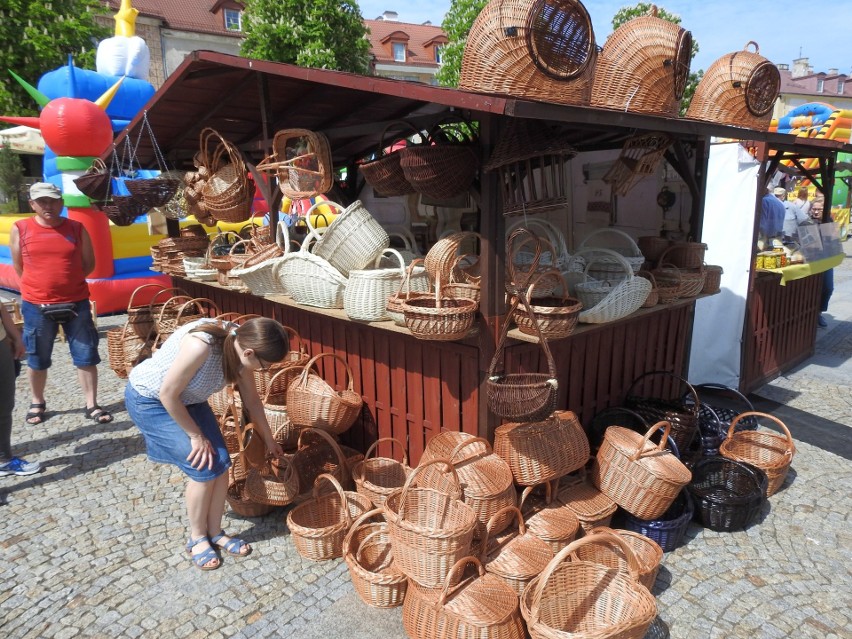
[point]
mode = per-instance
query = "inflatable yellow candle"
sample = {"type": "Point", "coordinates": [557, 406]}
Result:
{"type": "Point", "coordinates": [125, 20]}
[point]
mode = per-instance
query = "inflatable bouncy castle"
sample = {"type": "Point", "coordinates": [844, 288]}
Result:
{"type": "Point", "coordinates": [81, 112]}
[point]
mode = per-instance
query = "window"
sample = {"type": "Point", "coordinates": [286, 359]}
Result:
{"type": "Point", "coordinates": [820, 86]}
{"type": "Point", "coordinates": [399, 51]}
{"type": "Point", "coordinates": [233, 20]}
{"type": "Point", "coordinates": [840, 86]}
{"type": "Point", "coordinates": [439, 54]}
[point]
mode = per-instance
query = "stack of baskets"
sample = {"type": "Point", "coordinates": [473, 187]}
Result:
{"type": "Point", "coordinates": [170, 252]}
{"type": "Point", "coordinates": [227, 192]}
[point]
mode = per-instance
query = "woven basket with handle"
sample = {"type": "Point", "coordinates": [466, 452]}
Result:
{"type": "Point", "coordinates": [384, 173]}
{"type": "Point", "coordinates": [313, 402]}
{"type": "Point", "coordinates": [377, 477]}
{"type": "Point", "coordinates": [770, 452]}
{"type": "Point", "coordinates": [368, 553]}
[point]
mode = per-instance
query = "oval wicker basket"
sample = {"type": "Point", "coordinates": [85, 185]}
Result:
{"type": "Point", "coordinates": [647, 551]}
{"type": "Point", "coordinates": [534, 49]}
{"type": "Point", "coordinates": [556, 315]}
{"type": "Point", "coordinates": [438, 317]}
{"type": "Point", "coordinates": [384, 173]}
{"type": "Point", "coordinates": [643, 67]}
{"type": "Point", "coordinates": [738, 89]}
{"type": "Point", "coordinates": [591, 506]}
{"type": "Point", "coordinates": [368, 554]}
{"type": "Point", "coordinates": [770, 452]}
{"type": "Point", "coordinates": [377, 477]}
{"type": "Point", "coordinates": [314, 403]}
{"type": "Point", "coordinates": [728, 494]}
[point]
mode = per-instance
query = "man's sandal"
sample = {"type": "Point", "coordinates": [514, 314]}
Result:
{"type": "Point", "coordinates": [202, 560]}
{"type": "Point", "coordinates": [99, 415]}
{"type": "Point", "coordinates": [233, 546]}
{"type": "Point", "coordinates": [38, 416]}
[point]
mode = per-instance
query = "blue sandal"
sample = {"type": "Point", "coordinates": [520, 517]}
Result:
{"type": "Point", "coordinates": [233, 546]}
{"type": "Point", "coordinates": [202, 559]}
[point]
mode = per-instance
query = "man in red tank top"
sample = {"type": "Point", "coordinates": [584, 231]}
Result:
{"type": "Point", "coordinates": [53, 255]}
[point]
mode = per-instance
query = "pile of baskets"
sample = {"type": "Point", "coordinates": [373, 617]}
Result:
{"type": "Point", "coordinates": [169, 255]}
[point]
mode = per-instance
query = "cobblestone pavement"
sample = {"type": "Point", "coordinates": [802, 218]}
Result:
{"type": "Point", "coordinates": [93, 546]}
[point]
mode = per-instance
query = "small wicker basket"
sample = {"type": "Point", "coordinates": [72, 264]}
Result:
{"type": "Point", "coordinates": [770, 452]}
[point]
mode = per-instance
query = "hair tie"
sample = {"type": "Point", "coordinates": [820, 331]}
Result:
{"type": "Point", "coordinates": [233, 332]}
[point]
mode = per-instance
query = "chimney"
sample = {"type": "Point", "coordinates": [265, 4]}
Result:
{"type": "Point", "coordinates": [800, 67]}
{"type": "Point", "coordinates": [390, 16]}
{"type": "Point", "coordinates": [832, 71]}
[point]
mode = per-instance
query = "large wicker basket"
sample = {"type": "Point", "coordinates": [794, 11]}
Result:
{"type": "Point", "coordinates": [384, 173]}
{"type": "Point", "coordinates": [738, 89]}
{"type": "Point", "coordinates": [533, 49]}
{"type": "Point", "coordinates": [770, 452]}
{"type": "Point", "coordinates": [314, 403]}
{"type": "Point", "coordinates": [353, 240]}
{"type": "Point", "coordinates": [647, 551]}
{"type": "Point", "coordinates": [643, 67]}
{"type": "Point", "coordinates": [368, 553]}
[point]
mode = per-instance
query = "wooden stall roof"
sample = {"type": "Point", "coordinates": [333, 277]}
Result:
{"type": "Point", "coordinates": [248, 100]}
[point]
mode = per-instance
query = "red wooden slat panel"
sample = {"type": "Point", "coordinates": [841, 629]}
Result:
{"type": "Point", "coordinates": [415, 399]}
{"type": "Point", "coordinates": [399, 393]}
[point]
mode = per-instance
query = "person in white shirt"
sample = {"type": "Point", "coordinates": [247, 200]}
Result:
{"type": "Point", "coordinates": [793, 216]}
{"type": "Point", "coordinates": [802, 200]}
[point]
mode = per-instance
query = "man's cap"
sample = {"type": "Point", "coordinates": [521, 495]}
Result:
{"type": "Point", "coordinates": [780, 190]}
{"type": "Point", "coordinates": [45, 189]}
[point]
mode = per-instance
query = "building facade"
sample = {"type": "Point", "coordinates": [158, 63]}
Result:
{"type": "Point", "coordinates": [405, 51]}
{"type": "Point", "coordinates": [800, 85]}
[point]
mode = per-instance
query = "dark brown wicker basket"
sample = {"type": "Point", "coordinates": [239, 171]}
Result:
{"type": "Point", "coordinates": [384, 173]}
{"type": "Point", "coordinates": [152, 192]}
{"type": "Point", "coordinates": [739, 89]}
{"type": "Point", "coordinates": [661, 399]}
{"type": "Point", "coordinates": [643, 67]}
{"type": "Point", "coordinates": [95, 183]}
{"type": "Point", "coordinates": [536, 49]}
{"type": "Point", "coordinates": [124, 210]}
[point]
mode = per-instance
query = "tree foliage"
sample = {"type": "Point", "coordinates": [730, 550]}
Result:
{"type": "Point", "coordinates": [36, 36]}
{"type": "Point", "coordinates": [644, 8]}
{"type": "Point", "coordinates": [457, 24]}
{"type": "Point", "coordinates": [325, 34]}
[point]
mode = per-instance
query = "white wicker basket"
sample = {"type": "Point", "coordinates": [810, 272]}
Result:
{"type": "Point", "coordinates": [621, 243]}
{"type": "Point", "coordinates": [621, 299]}
{"type": "Point", "coordinates": [311, 280]}
{"type": "Point", "coordinates": [367, 292]}
{"type": "Point", "coordinates": [352, 241]}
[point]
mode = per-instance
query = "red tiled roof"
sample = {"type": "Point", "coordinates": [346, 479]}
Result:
{"type": "Point", "coordinates": [420, 39]}
{"type": "Point", "coordinates": [186, 15]}
{"type": "Point", "coordinates": [807, 84]}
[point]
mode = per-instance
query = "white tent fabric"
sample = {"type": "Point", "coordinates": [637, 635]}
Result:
{"type": "Point", "coordinates": [23, 139]}
{"type": "Point", "coordinates": [729, 234]}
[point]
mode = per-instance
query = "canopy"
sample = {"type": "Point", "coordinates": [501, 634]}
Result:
{"type": "Point", "coordinates": [23, 139]}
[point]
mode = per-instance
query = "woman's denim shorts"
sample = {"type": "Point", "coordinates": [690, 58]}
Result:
{"type": "Point", "coordinates": [168, 443]}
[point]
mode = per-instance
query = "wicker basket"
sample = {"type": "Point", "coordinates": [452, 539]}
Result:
{"type": "Point", "coordinates": [738, 89]}
{"type": "Point", "coordinates": [557, 316]}
{"type": "Point", "coordinates": [430, 529]}
{"type": "Point", "coordinates": [124, 210]}
{"type": "Point", "coordinates": [581, 599]}
{"type": "Point", "coordinates": [226, 193]}
{"type": "Point", "coordinates": [242, 504]}
{"type": "Point", "coordinates": [531, 160]}
{"type": "Point", "coordinates": [301, 160]}
{"type": "Point", "coordinates": [438, 317]}
{"type": "Point", "coordinates": [647, 551]}
{"type": "Point", "coordinates": [610, 302]}
{"type": "Point", "coordinates": [715, 414]}
{"type": "Point", "coordinates": [770, 452]}
{"type": "Point", "coordinates": [275, 485]}
{"type": "Point", "coordinates": [485, 478]}
{"type": "Point", "coordinates": [415, 283]}
{"type": "Point", "coordinates": [516, 556]}
{"type": "Point", "coordinates": [668, 529]}
{"type": "Point", "coordinates": [96, 182]}
{"type": "Point", "coordinates": [652, 247]}
{"type": "Point", "coordinates": [522, 396]}
{"type": "Point", "coordinates": [384, 173]}
{"type": "Point", "coordinates": [712, 279]}
{"type": "Point", "coordinates": [643, 67]}
{"type": "Point", "coordinates": [313, 403]}
{"type": "Point", "coordinates": [441, 259]}
{"type": "Point", "coordinates": [480, 606]}
{"type": "Point", "coordinates": [541, 451]}
{"type": "Point", "coordinates": [366, 295]}
{"type": "Point", "coordinates": [654, 296]}
{"type": "Point", "coordinates": [440, 170]}
{"type": "Point", "coordinates": [275, 408]}
{"type": "Point", "coordinates": [642, 478]}
{"type": "Point", "coordinates": [115, 350]}
{"type": "Point", "coordinates": [311, 280]}
{"type": "Point", "coordinates": [153, 192]}
{"type": "Point", "coordinates": [138, 313]}
{"type": "Point", "coordinates": [317, 453]}
{"type": "Point", "coordinates": [549, 519]}
{"type": "Point", "coordinates": [378, 477]}
{"type": "Point", "coordinates": [669, 283]}
{"type": "Point", "coordinates": [318, 526]}
{"type": "Point", "coordinates": [368, 554]}
{"type": "Point", "coordinates": [684, 255]}
{"type": "Point", "coordinates": [591, 506]}
{"type": "Point", "coordinates": [258, 274]}
{"type": "Point", "coordinates": [533, 49]}
{"type": "Point", "coordinates": [666, 397]}
{"type": "Point", "coordinates": [639, 158]}
{"type": "Point", "coordinates": [353, 240]}
{"type": "Point", "coordinates": [728, 494]}
{"type": "Point", "coordinates": [605, 267]}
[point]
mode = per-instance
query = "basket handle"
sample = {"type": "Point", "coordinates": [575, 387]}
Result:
{"type": "Point", "coordinates": [303, 377]}
{"type": "Point", "coordinates": [551, 363]}
{"type": "Point", "coordinates": [331, 479]}
{"type": "Point", "coordinates": [271, 383]}
{"type": "Point", "coordinates": [368, 541]}
{"type": "Point", "coordinates": [396, 254]}
{"type": "Point", "coordinates": [173, 291]}
{"type": "Point", "coordinates": [330, 440]}
{"type": "Point", "coordinates": [311, 230]}
{"type": "Point", "coordinates": [172, 301]}
{"type": "Point", "coordinates": [467, 442]}
{"type": "Point", "coordinates": [752, 42]}
{"type": "Point", "coordinates": [492, 521]}
{"type": "Point", "coordinates": [398, 124]}
{"type": "Point", "coordinates": [416, 471]}
{"type": "Point", "coordinates": [393, 440]}
{"type": "Point", "coordinates": [406, 279]}
{"type": "Point", "coordinates": [648, 275]}
{"type": "Point", "coordinates": [678, 377]}
{"type": "Point", "coordinates": [452, 577]}
{"type": "Point", "coordinates": [199, 303]}
{"type": "Point", "coordinates": [133, 294]}
{"type": "Point", "coordinates": [538, 277]}
{"type": "Point", "coordinates": [567, 552]}
{"type": "Point", "coordinates": [360, 521]}
{"type": "Point", "coordinates": [666, 426]}
{"type": "Point", "coordinates": [727, 389]}
{"type": "Point", "coordinates": [752, 413]}
{"type": "Point", "coordinates": [594, 255]}
{"type": "Point", "coordinates": [512, 249]}
{"type": "Point", "coordinates": [608, 229]}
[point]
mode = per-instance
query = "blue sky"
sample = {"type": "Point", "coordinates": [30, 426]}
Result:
{"type": "Point", "coordinates": [820, 30]}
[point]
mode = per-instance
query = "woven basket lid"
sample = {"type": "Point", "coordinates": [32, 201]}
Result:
{"type": "Point", "coordinates": [482, 601]}
{"type": "Point", "coordinates": [517, 556]}
{"type": "Point", "coordinates": [555, 520]}
{"type": "Point", "coordinates": [585, 500]}
{"type": "Point", "coordinates": [660, 463]}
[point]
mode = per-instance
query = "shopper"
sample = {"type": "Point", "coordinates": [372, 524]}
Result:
{"type": "Point", "coordinates": [793, 216]}
{"type": "Point", "coordinates": [166, 396]}
{"type": "Point", "coordinates": [53, 255]}
{"type": "Point", "coordinates": [802, 200]}
{"type": "Point", "coordinates": [771, 218]}
{"type": "Point", "coordinates": [11, 349]}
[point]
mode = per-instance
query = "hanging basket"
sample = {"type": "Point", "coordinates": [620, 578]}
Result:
{"type": "Point", "coordinates": [581, 599]}
{"type": "Point", "coordinates": [522, 396]}
{"type": "Point", "coordinates": [96, 182]}
{"type": "Point", "coordinates": [770, 452]}
{"type": "Point", "coordinates": [384, 173]}
{"type": "Point", "coordinates": [301, 159]}
{"type": "Point", "coordinates": [153, 192]}
{"type": "Point", "coordinates": [738, 89]}
{"type": "Point", "coordinates": [531, 49]}
{"type": "Point", "coordinates": [643, 67]}
{"type": "Point", "coordinates": [124, 210]}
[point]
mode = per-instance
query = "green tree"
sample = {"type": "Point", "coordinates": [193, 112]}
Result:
{"type": "Point", "coordinates": [457, 24]}
{"type": "Point", "coordinates": [644, 8]}
{"type": "Point", "coordinates": [36, 36]}
{"type": "Point", "coordinates": [325, 34]}
{"type": "Point", "coordinates": [11, 175]}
